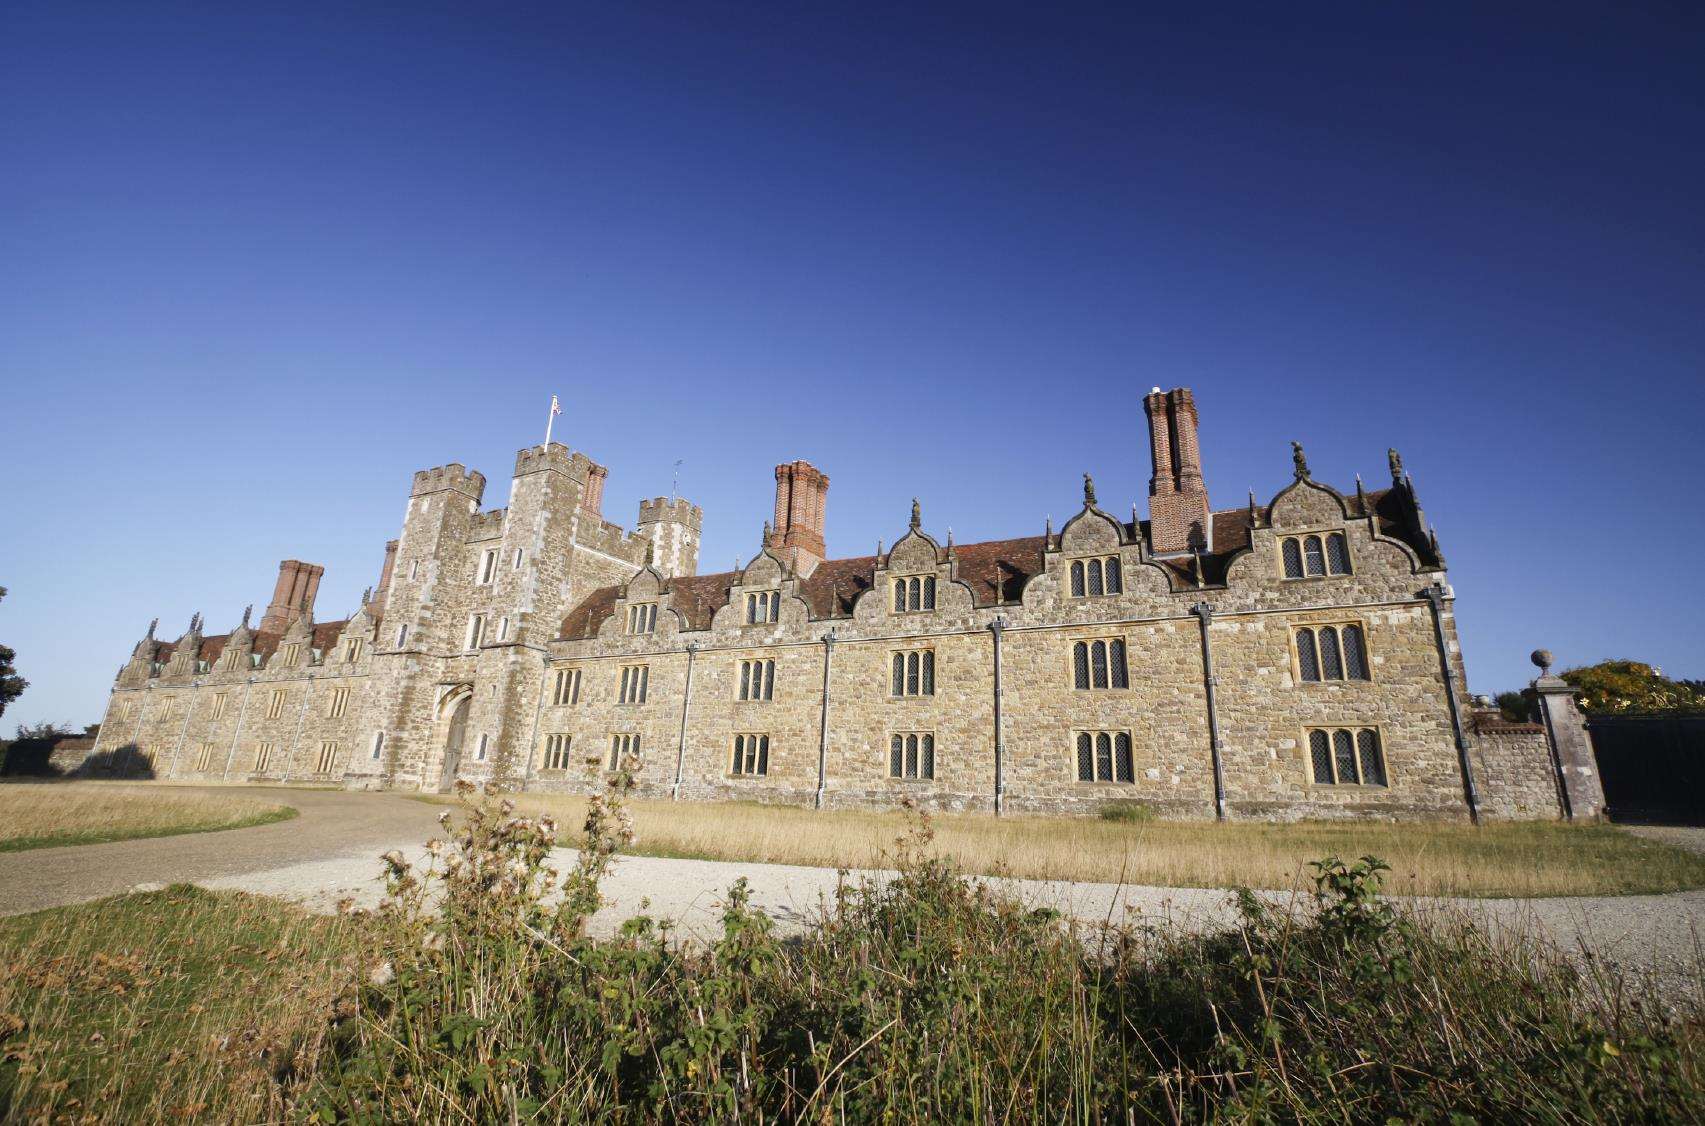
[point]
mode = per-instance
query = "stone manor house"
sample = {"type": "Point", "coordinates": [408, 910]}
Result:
{"type": "Point", "coordinates": [1297, 658]}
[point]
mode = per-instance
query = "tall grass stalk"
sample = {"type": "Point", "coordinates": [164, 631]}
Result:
{"type": "Point", "coordinates": [929, 997]}
{"type": "Point", "coordinates": [1523, 859]}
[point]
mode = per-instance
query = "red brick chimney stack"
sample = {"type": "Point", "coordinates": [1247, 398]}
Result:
{"type": "Point", "coordinates": [592, 499]}
{"type": "Point", "coordinates": [384, 586]}
{"type": "Point", "coordinates": [1178, 500]}
{"type": "Point", "coordinates": [801, 495]}
{"type": "Point", "coordinates": [298, 583]}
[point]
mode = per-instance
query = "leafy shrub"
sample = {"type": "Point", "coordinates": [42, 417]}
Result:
{"type": "Point", "coordinates": [1126, 810]}
{"type": "Point", "coordinates": [928, 996]}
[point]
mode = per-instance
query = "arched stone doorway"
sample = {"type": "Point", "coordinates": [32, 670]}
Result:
{"type": "Point", "coordinates": [455, 709]}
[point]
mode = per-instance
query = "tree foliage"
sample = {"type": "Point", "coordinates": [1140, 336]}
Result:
{"type": "Point", "coordinates": [1615, 688]}
{"type": "Point", "coordinates": [11, 684]}
{"type": "Point", "coordinates": [1612, 687]}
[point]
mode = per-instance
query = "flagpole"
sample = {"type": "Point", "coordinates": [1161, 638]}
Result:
{"type": "Point", "coordinates": [550, 420]}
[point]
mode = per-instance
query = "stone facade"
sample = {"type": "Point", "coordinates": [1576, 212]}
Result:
{"type": "Point", "coordinates": [526, 645]}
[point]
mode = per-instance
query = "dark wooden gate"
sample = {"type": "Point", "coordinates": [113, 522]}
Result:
{"type": "Point", "coordinates": [1653, 767]}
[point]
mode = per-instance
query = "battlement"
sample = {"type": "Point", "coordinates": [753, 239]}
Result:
{"type": "Point", "coordinates": [487, 525]}
{"type": "Point", "coordinates": [454, 477]}
{"type": "Point", "coordinates": [537, 459]}
{"type": "Point", "coordinates": [611, 539]}
{"type": "Point", "coordinates": [674, 509]}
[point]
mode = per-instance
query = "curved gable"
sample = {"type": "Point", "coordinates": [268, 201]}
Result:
{"type": "Point", "coordinates": [1090, 530]}
{"type": "Point", "coordinates": [1306, 503]}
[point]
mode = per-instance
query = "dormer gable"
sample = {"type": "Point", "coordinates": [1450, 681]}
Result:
{"type": "Point", "coordinates": [916, 551]}
{"type": "Point", "coordinates": [1091, 529]}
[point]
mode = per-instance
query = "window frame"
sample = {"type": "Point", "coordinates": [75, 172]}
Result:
{"type": "Point", "coordinates": [1075, 750]}
{"type": "Point", "coordinates": [1300, 539]}
{"type": "Point", "coordinates": [1114, 673]}
{"type": "Point", "coordinates": [633, 684]}
{"type": "Point", "coordinates": [912, 745]}
{"type": "Point", "coordinates": [755, 680]}
{"type": "Point", "coordinates": [337, 702]}
{"type": "Point", "coordinates": [920, 588]}
{"type": "Point", "coordinates": [330, 750]}
{"type": "Point", "coordinates": [928, 672]}
{"type": "Point", "coordinates": [642, 619]}
{"type": "Point", "coordinates": [565, 687]}
{"type": "Point", "coordinates": [558, 745]}
{"type": "Point", "coordinates": [763, 607]}
{"type": "Point", "coordinates": [1095, 576]}
{"type": "Point", "coordinates": [749, 747]}
{"type": "Point", "coordinates": [488, 567]}
{"type": "Point", "coordinates": [621, 743]}
{"type": "Point", "coordinates": [1355, 731]}
{"type": "Point", "coordinates": [1338, 625]}
{"type": "Point", "coordinates": [476, 632]}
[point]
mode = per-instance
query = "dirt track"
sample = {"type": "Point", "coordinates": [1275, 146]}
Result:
{"type": "Point", "coordinates": [331, 852]}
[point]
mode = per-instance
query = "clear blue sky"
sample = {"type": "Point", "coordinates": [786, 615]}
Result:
{"type": "Point", "coordinates": [260, 263]}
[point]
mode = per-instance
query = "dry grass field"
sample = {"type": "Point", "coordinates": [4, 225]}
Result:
{"type": "Point", "coordinates": [1517, 859]}
{"type": "Point", "coordinates": [177, 1005]}
{"type": "Point", "coordinates": [44, 815]}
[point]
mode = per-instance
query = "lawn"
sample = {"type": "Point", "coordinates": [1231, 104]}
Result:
{"type": "Point", "coordinates": [45, 815]}
{"type": "Point", "coordinates": [178, 1005]}
{"type": "Point", "coordinates": [477, 996]}
{"type": "Point", "coordinates": [1498, 859]}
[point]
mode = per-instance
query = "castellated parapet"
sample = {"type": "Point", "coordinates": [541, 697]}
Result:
{"type": "Point", "coordinates": [455, 477]}
{"type": "Point", "coordinates": [1294, 658]}
{"type": "Point", "coordinates": [673, 527]}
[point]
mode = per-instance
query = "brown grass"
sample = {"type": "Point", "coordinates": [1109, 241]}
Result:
{"type": "Point", "coordinates": [176, 1005]}
{"type": "Point", "coordinates": [1516, 859]}
{"type": "Point", "coordinates": [43, 815]}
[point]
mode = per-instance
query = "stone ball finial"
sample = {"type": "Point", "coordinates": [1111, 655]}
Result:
{"type": "Point", "coordinates": [1541, 658]}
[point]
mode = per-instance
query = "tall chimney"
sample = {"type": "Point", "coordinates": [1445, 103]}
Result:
{"type": "Point", "coordinates": [592, 499]}
{"type": "Point", "coordinates": [1178, 500]}
{"type": "Point", "coordinates": [801, 496]}
{"type": "Point", "coordinates": [384, 587]}
{"type": "Point", "coordinates": [298, 583]}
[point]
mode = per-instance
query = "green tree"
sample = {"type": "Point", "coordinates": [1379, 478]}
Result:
{"type": "Point", "coordinates": [1517, 707]}
{"type": "Point", "coordinates": [11, 684]}
{"type": "Point", "coordinates": [47, 729]}
{"type": "Point", "coordinates": [1631, 686]}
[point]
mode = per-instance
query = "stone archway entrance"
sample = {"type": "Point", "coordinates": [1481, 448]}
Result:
{"type": "Point", "coordinates": [457, 707]}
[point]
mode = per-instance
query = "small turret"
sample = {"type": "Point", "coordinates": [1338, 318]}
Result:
{"type": "Point", "coordinates": [672, 525]}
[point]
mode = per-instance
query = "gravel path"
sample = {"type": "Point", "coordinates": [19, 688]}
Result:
{"type": "Point", "coordinates": [1655, 931]}
{"type": "Point", "coordinates": [332, 826]}
{"type": "Point", "coordinates": [330, 853]}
